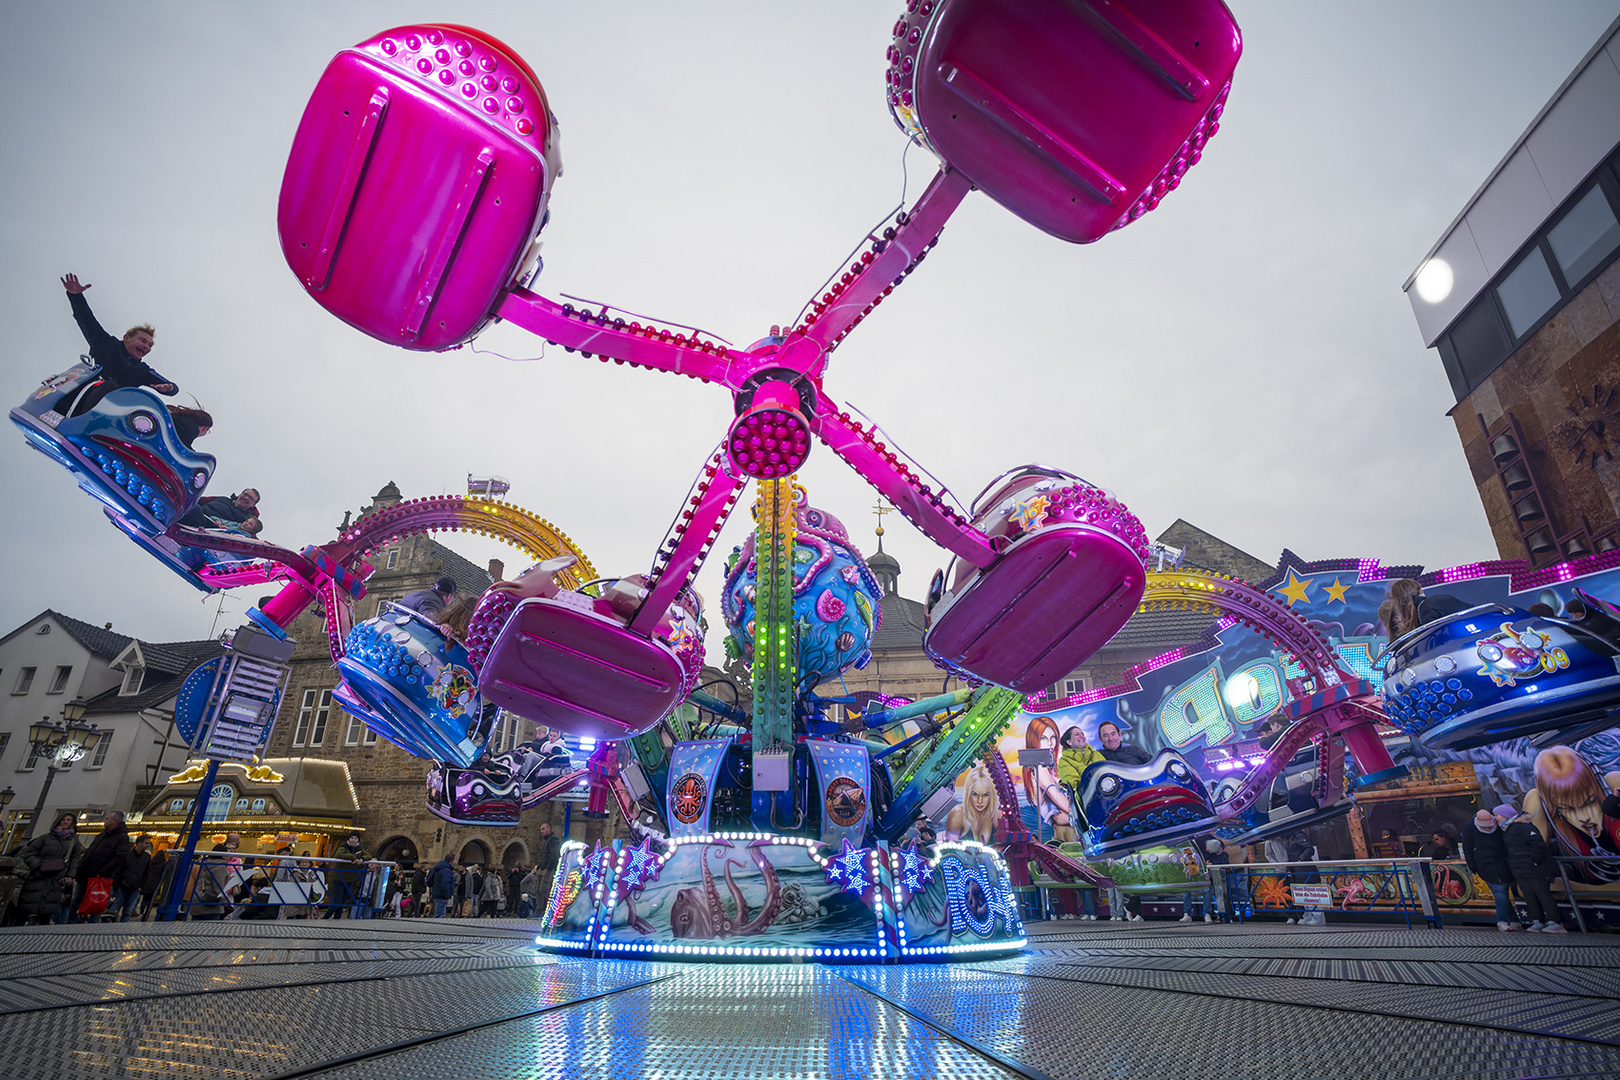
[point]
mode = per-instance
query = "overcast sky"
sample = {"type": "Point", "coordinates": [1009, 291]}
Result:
{"type": "Point", "coordinates": [1243, 357]}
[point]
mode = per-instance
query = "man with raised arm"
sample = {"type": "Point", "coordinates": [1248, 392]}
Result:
{"type": "Point", "coordinates": [122, 361]}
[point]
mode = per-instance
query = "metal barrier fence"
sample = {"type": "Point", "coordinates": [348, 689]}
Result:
{"type": "Point", "coordinates": [220, 885]}
{"type": "Point", "coordinates": [1569, 892]}
{"type": "Point", "coordinates": [1308, 888]}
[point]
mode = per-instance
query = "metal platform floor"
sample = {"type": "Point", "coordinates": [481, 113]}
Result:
{"type": "Point", "coordinates": [473, 998]}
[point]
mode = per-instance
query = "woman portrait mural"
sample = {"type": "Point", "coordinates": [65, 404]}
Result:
{"type": "Point", "coordinates": [1041, 787]}
{"type": "Point", "coordinates": [980, 809]}
{"type": "Point", "coordinates": [1567, 806]}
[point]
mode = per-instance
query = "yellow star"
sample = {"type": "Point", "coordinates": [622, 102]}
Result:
{"type": "Point", "coordinates": [1336, 591]}
{"type": "Point", "coordinates": [1297, 590]}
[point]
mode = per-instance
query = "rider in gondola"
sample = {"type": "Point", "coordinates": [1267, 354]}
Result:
{"type": "Point", "coordinates": [122, 361]}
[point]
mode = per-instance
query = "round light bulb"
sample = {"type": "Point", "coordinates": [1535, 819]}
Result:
{"type": "Point", "coordinates": [1434, 281]}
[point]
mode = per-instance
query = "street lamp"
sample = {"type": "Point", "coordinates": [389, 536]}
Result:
{"type": "Point", "coordinates": [5, 800]}
{"type": "Point", "coordinates": [63, 744]}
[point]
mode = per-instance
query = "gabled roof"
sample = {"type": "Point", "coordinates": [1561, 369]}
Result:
{"type": "Point", "coordinates": [98, 640]}
{"type": "Point", "coordinates": [902, 625]}
{"type": "Point", "coordinates": [1206, 551]}
{"type": "Point", "coordinates": [470, 578]}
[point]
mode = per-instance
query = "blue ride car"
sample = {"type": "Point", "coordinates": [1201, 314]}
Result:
{"type": "Point", "coordinates": [123, 450]}
{"type": "Point", "coordinates": [1493, 673]}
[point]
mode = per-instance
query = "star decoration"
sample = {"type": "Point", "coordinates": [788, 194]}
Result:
{"type": "Point", "coordinates": [1336, 591]}
{"type": "Point", "coordinates": [1298, 590]}
{"type": "Point", "coordinates": [915, 871]}
{"type": "Point", "coordinates": [641, 865]}
{"type": "Point", "coordinates": [847, 869]}
{"type": "Point", "coordinates": [1030, 514]}
{"type": "Point", "coordinates": [679, 636]}
{"type": "Point", "coordinates": [595, 866]}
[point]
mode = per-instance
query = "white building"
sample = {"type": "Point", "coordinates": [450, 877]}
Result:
{"type": "Point", "coordinates": [129, 687]}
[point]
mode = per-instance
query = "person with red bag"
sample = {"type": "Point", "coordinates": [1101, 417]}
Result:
{"type": "Point", "coordinates": [48, 864]}
{"type": "Point", "coordinates": [105, 866]}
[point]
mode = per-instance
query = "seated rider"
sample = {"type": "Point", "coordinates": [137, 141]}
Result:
{"type": "Point", "coordinates": [430, 601]}
{"type": "Point", "coordinates": [224, 511]}
{"type": "Point", "coordinates": [122, 362]}
{"type": "Point", "coordinates": [1072, 762]}
{"type": "Point", "coordinates": [1114, 749]}
{"type": "Point", "coordinates": [190, 424]}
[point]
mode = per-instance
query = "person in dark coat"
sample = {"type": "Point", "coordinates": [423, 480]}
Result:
{"type": "Point", "coordinates": [154, 878]}
{"type": "Point", "coordinates": [1114, 750]}
{"type": "Point", "coordinates": [1533, 867]}
{"type": "Point", "coordinates": [107, 855]}
{"type": "Point", "coordinates": [123, 362]}
{"type": "Point", "coordinates": [347, 881]}
{"type": "Point", "coordinates": [419, 879]}
{"type": "Point", "coordinates": [430, 601]}
{"type": "Point", "coordinates": [127, 897]}
{"type": "Point", "coordinates": [154, 881]}
{"type": "Point", "coordinates": [49, 864]}
{"type": "Point", "coordinates": [211, 510]}
{"type": "Point", "coordinates": [1440, 847]}
{"type": "Point", "coordinates": [546, 859]}
{"type": "Point", "coordinates": [1486, 855]}
{"type": "Point", "coordinates": [514, 886]}
{"type": "Point", "coordinates": [442, 883]}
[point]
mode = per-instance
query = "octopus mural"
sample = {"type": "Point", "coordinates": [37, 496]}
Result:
{"type": "Point", "coordinates": [701, 913]}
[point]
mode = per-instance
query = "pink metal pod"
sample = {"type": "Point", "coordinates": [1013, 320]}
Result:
{"type": "Point", "coordinates": [1070, 575]}
{"type": "Point", "coordinates": [417, 182]}
{"type": "Point", "coordinates": [1076, 115]}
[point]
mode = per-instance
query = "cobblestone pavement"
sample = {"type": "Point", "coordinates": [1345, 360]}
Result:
{"type": "Point", "coordinates": [474, 998]}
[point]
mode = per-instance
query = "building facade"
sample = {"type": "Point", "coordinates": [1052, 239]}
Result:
{"type": "Point", "coordinates": [128, 687]}
{"type": "Point", "coordinates": [391, 809]}
{"type": "Point", "coordinates": [1521, 299]}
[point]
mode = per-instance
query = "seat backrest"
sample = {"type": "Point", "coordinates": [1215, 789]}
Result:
{"type": "Point", "coordinates": [1076, 115]}
{"type": "Point", "coordinates": [417, 182]}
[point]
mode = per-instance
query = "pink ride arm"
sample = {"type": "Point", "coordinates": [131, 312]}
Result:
{"type": "Point", "coordinates": [851, 300]}
{"type": "Point", "coordinates": [648, 346]}
{"type": "Point", "coordinates": [921, 506]}
{"type": "Point", "coordinates": [699, 526]}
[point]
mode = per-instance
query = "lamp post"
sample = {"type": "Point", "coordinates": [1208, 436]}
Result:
{"type": "Point", "coordinates": [5, 800]}
{"type": "Point", "coordinates": [62, 744]}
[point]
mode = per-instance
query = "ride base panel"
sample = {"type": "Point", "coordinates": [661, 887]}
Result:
{"type": "Point", "coordinates": [473, 998]}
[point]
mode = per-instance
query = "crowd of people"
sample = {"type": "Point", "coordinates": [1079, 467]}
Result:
{"type": "Point", "coordinates": [64, 880]}
{"type": "Point", "coordinates": [114, 877]}
{"type": "Point", "coordinates": [1505, 849]}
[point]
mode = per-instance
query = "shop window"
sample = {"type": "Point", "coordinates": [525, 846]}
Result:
{"type": "Point", "coordinates": [60, 681]}
{"type": "Point", "coordinates": [1586, 235]}
{"type": "Point", "coordinates": [25, 679]}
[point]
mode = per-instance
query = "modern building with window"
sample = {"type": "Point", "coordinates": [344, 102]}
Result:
{"type": "Point", "coordinates": [1521, 299]}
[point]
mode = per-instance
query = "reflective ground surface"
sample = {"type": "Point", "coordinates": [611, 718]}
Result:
{"type": "Point", "coordinates": [470, 999]}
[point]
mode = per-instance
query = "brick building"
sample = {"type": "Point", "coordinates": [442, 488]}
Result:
{"type": "Point", "coordinates": [388, 782]}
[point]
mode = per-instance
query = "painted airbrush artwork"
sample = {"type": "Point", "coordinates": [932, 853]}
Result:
{"type": "Point", "coordinates": [1524, 698]}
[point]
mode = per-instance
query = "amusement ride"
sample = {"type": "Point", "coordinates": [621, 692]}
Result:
{"type": "Point", "coordinates": [779, 831]}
